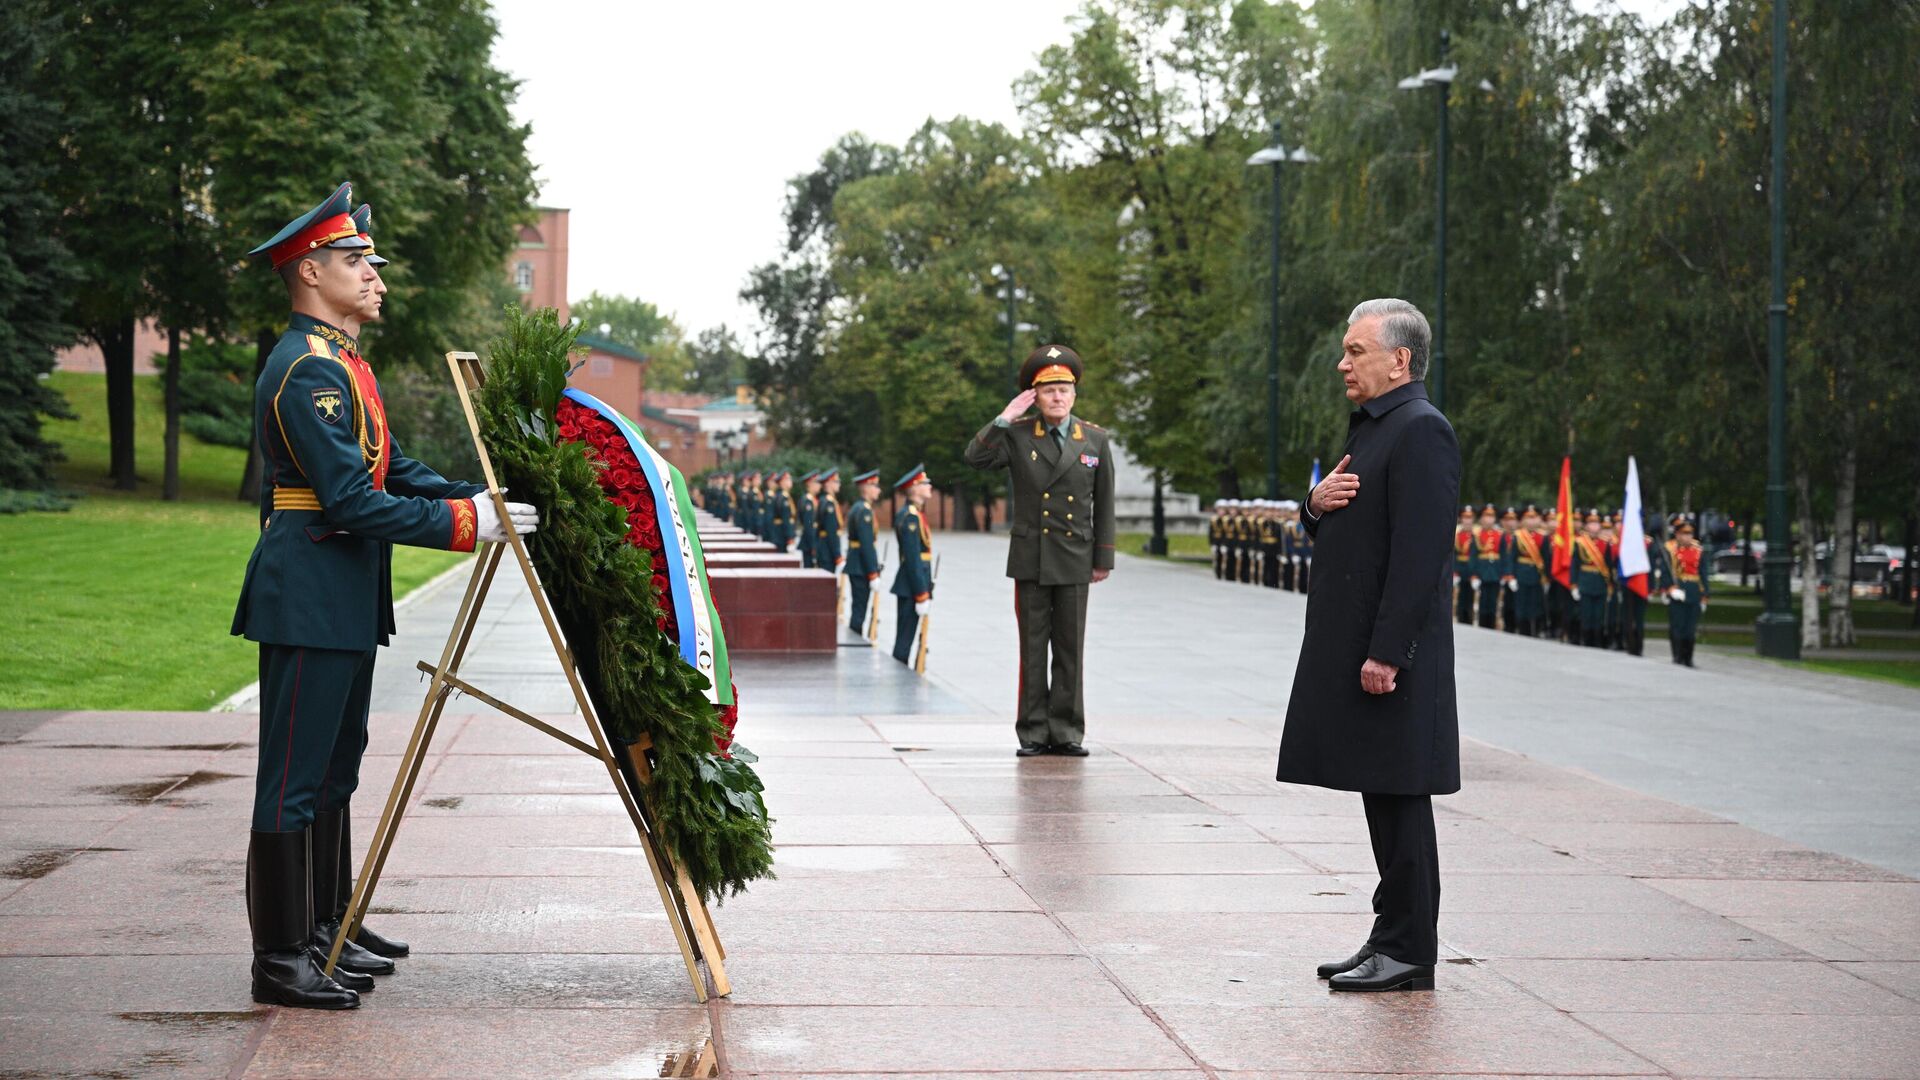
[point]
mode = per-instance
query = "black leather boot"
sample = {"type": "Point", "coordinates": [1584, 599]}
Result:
{"type": "Point", "coordinates": [278, 899]}
{"type": "Point", "coordinates": [377, 944]}
{"type": "Point", "coordinates": [330, 897]}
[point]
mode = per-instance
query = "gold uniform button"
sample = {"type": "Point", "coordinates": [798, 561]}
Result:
{"type": "Point", "coordinates": [1069, 498]}
{"type": "Point", "coordinates": [1043, 532]}
{"type": "Point", "coordinates": [1069, 517]}
{"type": "Point", "coordinates": [1046, 494]}
{"type": "Point", "coordinates": [1046, 513]}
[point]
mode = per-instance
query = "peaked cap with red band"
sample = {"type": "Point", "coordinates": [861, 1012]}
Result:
{"type": "Point", "coordinates": [914, 476]}
{"type": "Point", "coordinates": [363, 221]}
{"type": "Point", "coordinates": [328, 225]}
{"type": "Point", "coordinates": [1050, 364]}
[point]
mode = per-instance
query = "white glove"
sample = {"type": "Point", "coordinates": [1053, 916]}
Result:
{"type": "Point", "coordinates": [1473, 583]}
{"type": "Point", "coordinates": [486, 520]}
{"type": "Point", "coordinates": [923, 607]}
{"type": "Point", "coordinates": [1513, 585]}
{"type": "Point", "coordinates": [1677, 595]}
{"type": "Point", "coordinates": [838, 563]}
{"type": "Point", "coordinates": [1576, 592]}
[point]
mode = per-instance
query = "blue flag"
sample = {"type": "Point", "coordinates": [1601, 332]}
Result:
{"type": "Point", "coordinates": [1315, 481]}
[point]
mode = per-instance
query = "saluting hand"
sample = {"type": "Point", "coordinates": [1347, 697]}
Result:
{"type": "Point", "coordinates": [1021, 402]}
{"type": "Point", "coordinates": [1335, 491]}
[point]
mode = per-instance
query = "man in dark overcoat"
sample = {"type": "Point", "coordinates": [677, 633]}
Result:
{"type": "Point", "coordinates": [1372, 709]}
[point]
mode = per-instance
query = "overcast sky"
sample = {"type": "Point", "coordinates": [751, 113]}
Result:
{"type": "Point", "coordinates": [671, 128]}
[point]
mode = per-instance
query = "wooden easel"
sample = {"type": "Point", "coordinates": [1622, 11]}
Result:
{"type": "Point", "coordinates": [686, 912]}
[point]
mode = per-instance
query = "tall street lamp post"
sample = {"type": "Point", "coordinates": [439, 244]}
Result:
{"type": "Point", "coordinates": [1440, 78]}
{"type": "Point", "coordinates": [1275, 155]}
{"type": "Point", "coordinates": [1775, 634]}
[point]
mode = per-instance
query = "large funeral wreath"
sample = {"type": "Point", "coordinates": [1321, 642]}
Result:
{"type": "Point", "coordinates": [598, 551]}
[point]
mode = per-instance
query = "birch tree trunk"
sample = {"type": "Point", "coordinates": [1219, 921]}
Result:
{"type": "Point", "coordinates": [1840, 598]}
{"type": "Point", "coordinates": [1809, 563]}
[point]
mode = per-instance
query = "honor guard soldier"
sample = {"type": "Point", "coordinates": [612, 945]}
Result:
{"type": "Point", "coordinates": [1592, 580]}
{"type": "Point", "coordinates": [317, 598]}
{"type": "Point", "coordinates": [913, 582]}
{"type": "Point", "coordinates": [1616, 638]}
{"type": "Point", "coordinates": [809, 505]}
{"type": "Point", "coordinates": [1300, 541]}
{"type": "Point", "coordinates": [1216, 541]}
{"type": "Point", "coordinates": [1685, 582]}
{"type": "Point", "coordinates": [1529, 567]}
{"type": "Point", "coordinates": [1463, 567]}
{"type": "Point", "coordinates": [1289, 550]}
{"type": "Point", "coordinates": [1633, 606]}
{"type": "Point", "coordinates": [1061, 540]}
{"type": "Point", "coordinates": [828, 523]}
{"type": "Point", "coordinates": [784, 514]}
{"type": "Point", "coordinates": [747, 516]}
{"type": "Point", "coordinates": [863, 558]}
{"type": "Point", "coordinates": [723, 497]}
{"type": "Point", "coordinates": [1558, 602]}
{"type": "Point", "coordinates": [1489, 566]}
{"type": "Point", "coordinates": [1509, 582]}
{"type": "Point", "coordinates": [1270, 544]}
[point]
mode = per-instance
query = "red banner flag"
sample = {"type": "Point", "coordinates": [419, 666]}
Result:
{"type": "Point", "coordinates": [1563, 533]}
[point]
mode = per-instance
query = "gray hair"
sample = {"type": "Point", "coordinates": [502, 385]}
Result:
{"type": "Point", "coordinates": [1401, 327]}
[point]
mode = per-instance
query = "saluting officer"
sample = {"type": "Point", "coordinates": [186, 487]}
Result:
{"type": "Point", "coordinates": [317, 595]}
{"type": "Point", "coordinates": [1062, 540]}
{"type": "Point", "coordinates": [913, 582]}
{"type": "Point", "coordinates": [863, 558]}
{"type": "Point", "coordinates": [828, 522]}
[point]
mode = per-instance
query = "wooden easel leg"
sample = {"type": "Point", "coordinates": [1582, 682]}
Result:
{"type": "Point", "coordinates": [416, 752]}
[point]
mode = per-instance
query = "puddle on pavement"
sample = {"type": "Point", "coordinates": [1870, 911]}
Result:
{"type": "Point", "coordinates": [38, 864]}
{"type": "Point", "coordinates": [698, 1061]}
{"type": "Point", "coordinates": [146, 791]}
{"type": "Point", "coordinates": [194, 1021]}
{"type": "Point", "coordinates": [211, 747]}
{"type": "Point", "coordinates": [445, 802]}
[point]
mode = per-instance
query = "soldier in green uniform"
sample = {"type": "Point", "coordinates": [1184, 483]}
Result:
{"type": "Point", "coordinates": [755, 504]}
{"type": "Point", "coordinates": [1216, 541]}
{"type": "Point", "coordinates": [317, 596]}
{"type": "Point", "coordinates": [1303, 542]}
{"type": "Point", "coordinates": [1592, 580]}
{"type": "Point", "coordinates": [1062, 535]}
{"type": "Point", "coordinates": [1488, 566]}
{"type": "Point", "coordinates": [1616, 638]}
{"type": "Point", "coordinates": [1509, 582]}
{"type": "Point", "coordinates": [1529, 567]}
{"type": "Point", "coordinates": [829, 523]}
{"type": "Point", "coordinates": [780, 523]}
{"type": "Point", "coordinates": [1271, 532]}
{"type": "Point", "coordinates": [809, 505]}
{"type": "Point", "coordinates": [913, 582]}
{"type": "Point", "coordinates": [1463, 567]}
{"type": "Point", "coordinates": [723, 497]}
{"type": "Point", "coordinates": [863, 559]}
{"type": "Point", "coordinates": [1685, 581]}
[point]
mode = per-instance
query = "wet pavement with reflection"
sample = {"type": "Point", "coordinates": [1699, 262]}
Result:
{"type": "Point", "coordinates": [943, 909]}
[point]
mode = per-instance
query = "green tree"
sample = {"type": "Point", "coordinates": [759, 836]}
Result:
{"type": "Point", "coordinates": [717, 360]}
{"type": "Point", "coordinates": [641, 326]}
{"type": "Point", "coordinates": [34, 274]}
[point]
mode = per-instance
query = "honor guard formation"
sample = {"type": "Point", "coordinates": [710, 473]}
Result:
{"type": "Point", "coordinates": [1503, 576]}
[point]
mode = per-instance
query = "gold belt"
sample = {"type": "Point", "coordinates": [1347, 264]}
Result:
{"type": "Point", "coordinates": [295, 498]}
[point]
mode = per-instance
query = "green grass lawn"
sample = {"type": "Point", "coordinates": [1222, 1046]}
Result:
{"type": "Point", "coordinates": [1179, 545]}
{"type": "Point", "coordinates": [124, 602]}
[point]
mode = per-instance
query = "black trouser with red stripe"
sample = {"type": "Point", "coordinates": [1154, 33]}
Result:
{"type": "Point", "coordinates": [313, 730]}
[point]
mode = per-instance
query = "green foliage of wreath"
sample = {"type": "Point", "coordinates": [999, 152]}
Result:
{"type": "Point", "coordinates": [710, 810]}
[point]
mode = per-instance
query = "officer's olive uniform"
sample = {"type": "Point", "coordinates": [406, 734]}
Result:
{"type": "Point", "coordinates": [863, 562]}
{"type": "Point", "coordinates": [336, 496]}
{"type": "Point", "coordinates": [781, 513]}
{"type": "Point", "coordinates": [808, 506]}
{"type": "Point", "coordinates": [1062, 530]}
{"type": "Point", "coordinates": [828, 522]}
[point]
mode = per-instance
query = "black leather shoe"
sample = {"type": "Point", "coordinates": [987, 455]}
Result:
{"type": "Point", "coordinates": [278, 912]}
{"type": "Point", "coordinates": [375, 943]}
{"type": "Point", "coordinates": [1381, 972]}
{"type": "Point", "coordinates": [1030, 749]}
{"type": "Point", "coordinates": [1328, 971]}
{"type": "Point", "coordinates": [329, 900]}
{"type": "Point", "coordinates": [352, 980]}
{"type": "Point", "coordinates": [1070, 749]}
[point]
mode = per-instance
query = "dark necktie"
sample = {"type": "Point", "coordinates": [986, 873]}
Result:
{"type": "Point", "coordinates": [1059, 440]}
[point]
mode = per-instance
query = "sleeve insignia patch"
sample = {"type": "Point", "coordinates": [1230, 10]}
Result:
{"type": "Point", "coordinates": [327, 403]}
